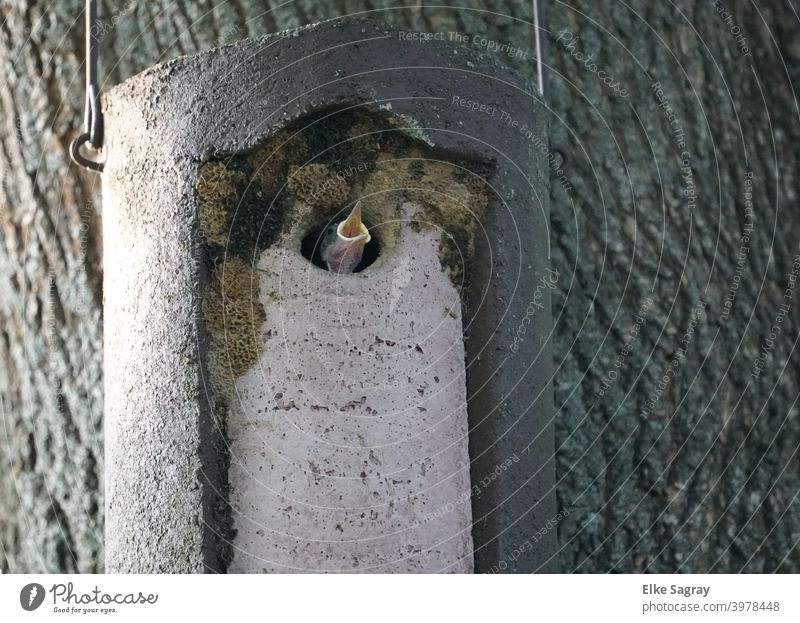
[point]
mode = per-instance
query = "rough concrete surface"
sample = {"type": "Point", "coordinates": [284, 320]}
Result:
{"type": "Point", "coordinates": [162, 482]}
{"type": "Point", "coordinates": [349, 435]}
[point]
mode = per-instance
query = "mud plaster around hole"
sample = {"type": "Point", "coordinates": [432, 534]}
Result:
{"type": "Point", "coordinates": [344, 398]}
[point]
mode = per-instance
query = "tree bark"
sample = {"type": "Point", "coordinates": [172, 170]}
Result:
{"type": "Point", "coordinates": [702, 474]}
{"type": "Point", "coordinates": [704, 478]}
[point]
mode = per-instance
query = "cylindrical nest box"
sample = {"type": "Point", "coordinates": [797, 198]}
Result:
{"type": "Point", "coordinates": [265, 414]}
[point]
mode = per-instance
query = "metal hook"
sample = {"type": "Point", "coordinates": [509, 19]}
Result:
{"type": "Point", "coordinates": [79, 159]}
{"type": "Point", "coordinates": [93, 127]}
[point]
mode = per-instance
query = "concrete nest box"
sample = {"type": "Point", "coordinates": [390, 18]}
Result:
{"type": "Point", "coordinates": [266, 414]}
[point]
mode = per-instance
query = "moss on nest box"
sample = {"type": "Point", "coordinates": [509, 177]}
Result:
{"type": "Point", "coordinates": [217, 190]}
{"type": "Point", "coordinates": [318, 186]}
{"type": "Point", "coordinates": [305, 175]}
{"type": "Point", "coordinates": [233, 316]}
{"type": "Point", "coordinates": [450, 196]}
{"type": "Point", "coordinates": [270, 163]}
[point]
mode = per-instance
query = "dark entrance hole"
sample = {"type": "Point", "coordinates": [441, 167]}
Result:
{"type": "Point", "coordinates": [310, 248]}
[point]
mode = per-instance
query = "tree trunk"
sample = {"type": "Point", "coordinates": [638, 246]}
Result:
{"type": "Point", "coordinates": [701, 472]}
{"type": "Point", "coordinates": [701, 479]}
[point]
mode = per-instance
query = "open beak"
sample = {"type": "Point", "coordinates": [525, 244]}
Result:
{"type": "Point", "coordinates": [345, 252]}
{"type": "Point", "coordinates": [352, 227]}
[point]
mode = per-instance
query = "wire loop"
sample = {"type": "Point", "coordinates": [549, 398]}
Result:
{"type": "Point", "coordinates": [93, 127]}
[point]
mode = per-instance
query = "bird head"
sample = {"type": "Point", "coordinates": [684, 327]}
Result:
{"type": "Point", "coordinates": [343, 244]}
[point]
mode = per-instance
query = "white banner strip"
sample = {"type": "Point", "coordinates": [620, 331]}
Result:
{"type": "Point", "coordinates": [406, 598]}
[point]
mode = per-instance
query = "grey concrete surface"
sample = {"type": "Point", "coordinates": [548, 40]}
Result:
{"type": "Point", "coordinates": [349, 435]}
{"type": "Point", "coordinates": [163, 482]}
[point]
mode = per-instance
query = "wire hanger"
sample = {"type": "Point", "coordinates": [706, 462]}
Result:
{"type": "Point", "coordinates": [92, 136]}
{"type": "Point", "coordinates": [560, 150]}
{"type": "Point", "coordinates": [93, 128]}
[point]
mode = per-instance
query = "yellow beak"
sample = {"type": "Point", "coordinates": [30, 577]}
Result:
{"type": "Point", "coordinates": [352, 227]}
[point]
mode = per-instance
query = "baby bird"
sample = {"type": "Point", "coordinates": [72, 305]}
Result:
{"type": "Point", "coordinates": [342, 245]}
